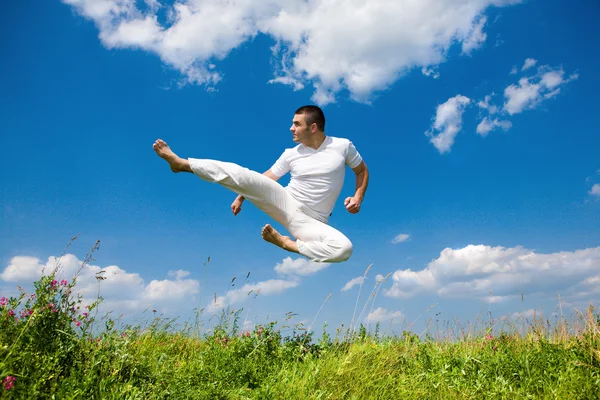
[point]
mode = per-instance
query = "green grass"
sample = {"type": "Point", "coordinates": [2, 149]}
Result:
{"type": "Point", "coordinates": [52, 347]}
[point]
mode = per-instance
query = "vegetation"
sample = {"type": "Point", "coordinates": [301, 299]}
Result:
{"type": "Point", "coordinates": [52, 347]}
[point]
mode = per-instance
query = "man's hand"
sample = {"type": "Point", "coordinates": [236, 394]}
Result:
{"type": "Point", "coordinates": [236, 206]}
{"type": "Point", "coordinates": [352, 205]}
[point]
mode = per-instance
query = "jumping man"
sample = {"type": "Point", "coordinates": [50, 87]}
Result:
{"type": "Point", "coordinates": [317, 166]}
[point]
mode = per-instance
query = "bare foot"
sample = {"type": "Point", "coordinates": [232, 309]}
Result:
{"type": "Point", "coordinates": [176, 163]}
{"type": "Point", "coordinates": [272, 236]}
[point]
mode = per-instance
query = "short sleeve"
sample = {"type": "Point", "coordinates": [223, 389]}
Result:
{"type": "Point", "coordinates": [353, 158]}
{"type": "Point", "coordinates": [282, 165]}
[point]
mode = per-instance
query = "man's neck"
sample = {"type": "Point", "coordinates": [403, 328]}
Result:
{"type": "Point", "coordinates": [316, 141]}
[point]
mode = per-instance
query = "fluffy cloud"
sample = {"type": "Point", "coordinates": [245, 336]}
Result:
{"type": "Point", "coordinates": [266, 288]}
{"type": "Point", "coordinates": [529, 63]}
{"type": "Point", "coordinates": [381, 314]}
{"type": "Point", "coordinates": [531, 91]}
{"type": "Point", "coordinates": [403, 237]}
{"type": "Point", "coordinates": [353, 282]}
{"type": "Point", "coordinates": [526, 94]}
{"type": "Point", "coordinates": [487, 125]}
{"type": "Point", "coordinates": [530, 313]}
{"type": "Point", "coordinates": [333, 45]}
{"type": "Point", "coordinates": [475, 271]}
{"type": "Point", "coordinates": [476, 37]}
{"type": "Point", "coordinates": [291, 269]}
{"type": "Point", "coordinates": [299, 267]}
{"type": "Point", "coordinates": [595, 190]}
{"type": "Point", "coordinates": [430, 71]}
{"type": "Point", "coordinates": [120, 289]}
{"type": "Point", "coordinates": [447, 123]}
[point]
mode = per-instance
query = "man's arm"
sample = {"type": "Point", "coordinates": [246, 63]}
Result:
{"type": "Point", "coordinates": [362, 181]}
{"type": "Point", "coordinates": [236, 207]}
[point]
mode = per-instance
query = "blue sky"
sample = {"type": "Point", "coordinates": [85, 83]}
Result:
{"type": "Point", "coordinates": [497, 196]}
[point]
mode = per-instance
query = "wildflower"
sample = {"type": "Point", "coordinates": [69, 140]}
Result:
{"type": "Point", "coordinates": [32, 296]}
{"type": "Point", "coordinates": [3, 301]}
{"type": "Point", "coordinates": [77, 323]}
{"type": "Point", "coordinates": [85, 315]}
{"type": "Point", "coordinates": [9, 382]}
{"type": "Point", "coordinates": [64, 283]}
{"type": "Point", "coordinates": [53, 283]}
{"type": "Point", "coordinates": [11, 313]}
{"type": "Point", "coordinates": [489, 337]}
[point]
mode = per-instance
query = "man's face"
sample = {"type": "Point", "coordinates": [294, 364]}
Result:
{"type": "Point", "coordinates": [300, 130]}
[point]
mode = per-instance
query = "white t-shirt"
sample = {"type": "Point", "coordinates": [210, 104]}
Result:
{"type": "Point", "coordinates": [317, 176]}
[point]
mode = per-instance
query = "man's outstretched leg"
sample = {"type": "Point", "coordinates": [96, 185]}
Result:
{"type": "Point", "coordinates": [176, 163]}
{"type": "Point", "coordinates": [272, 236]}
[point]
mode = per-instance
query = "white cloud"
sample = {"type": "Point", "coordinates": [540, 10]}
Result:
{"type": "Point", "coordinates": [266, 288]}
{"type": "Point", "coordinates": [447, 123]}
{"type": "Point", "coordinates": [530, 313]}
{"type": "Point", "coordinates": [487, 105]}
{"type": "Point", "coordinates": [527, 94]}
{"type": "Point", "coordinates": [476, 270]}
{"type": "Point", "coordinates": [487, 125]}
{"type": "Point", "coordinates": [476, 37]}
{"type": "Point", "coordinates": [299, 267]}
{"type": "Point", "coordinates": [381, 314]}
{"type": "Point", "coordinates": [26, 269]}
{"type": "Point", "coordinates": [167, 290]}
{"type": "Point", "coordinates": [514, 70]}
{"type": "Point", "coordinates": [291, 269]}
{"type": "Point", "coordinates": [430, 71]}
{"type": "Point", "coordinates": [595, 190]}
{"type": "Point", "coordinates": [179, 274]}
{"type": "Point", "coordinates": [120, 289]}
{"type": "Point", "coordinates": [353, 282]}
{"type": "Point", "coordinates": [403, 237]}
{"type": "Point", "coordinates": [529, 63]}
{"type": "Point", "coordinates": [333, 45]}
{"type": "Point", "coordinates": [531, 91]}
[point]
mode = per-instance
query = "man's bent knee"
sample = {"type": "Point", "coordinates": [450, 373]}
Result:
{"type": "Point", "coordinates": [343, 252]}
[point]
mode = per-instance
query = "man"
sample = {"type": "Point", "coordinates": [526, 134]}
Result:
{"type": "Point", "coordinates": [317, 165]}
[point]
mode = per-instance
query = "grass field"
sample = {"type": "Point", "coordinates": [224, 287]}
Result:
{"type": "Point", "coordinates": [51, 346]}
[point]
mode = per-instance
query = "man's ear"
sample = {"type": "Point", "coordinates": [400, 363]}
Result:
{"type": "Point", "coordinates": [313, 127]}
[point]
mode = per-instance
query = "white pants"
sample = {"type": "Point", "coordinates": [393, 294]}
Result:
{"type": "Point", "coordinates": [316, 240]}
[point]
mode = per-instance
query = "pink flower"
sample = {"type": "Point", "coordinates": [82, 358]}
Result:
{"type": "Point", "coordinates": [11, 313]}
{"type": "Point", "coordinates": [64, 282]}
{"type": "Point", "coordinates": [53, 283]}
{"type": "Point", "coordinates": [489, 337]}
{"type": "Point", "coordinates": [9, 382]}
{"type": "Point", "coordinates": [85, 315]}
{"type": "Point", "coordinates": [77, 323]}
{"type": "Point", "coordinates": [3, 301]}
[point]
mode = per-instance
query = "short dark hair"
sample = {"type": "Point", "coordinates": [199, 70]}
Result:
{"type": "Point", "coordinates": [313, 115]}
